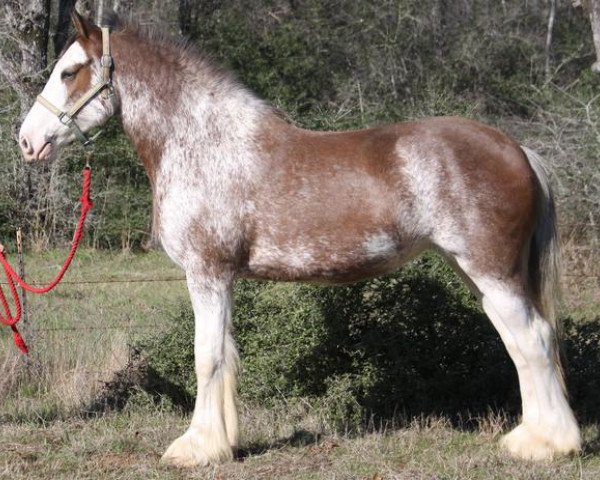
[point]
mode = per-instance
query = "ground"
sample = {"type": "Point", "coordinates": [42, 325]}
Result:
{"type": "Point", "coordinates": [129, 445]}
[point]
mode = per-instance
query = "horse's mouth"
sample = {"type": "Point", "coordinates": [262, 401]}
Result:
{"type": "Point", "coordinates": [46, 152]}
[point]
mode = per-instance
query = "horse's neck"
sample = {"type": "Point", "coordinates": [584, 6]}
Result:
{"type": "Point", "coordinates": [166, 112]}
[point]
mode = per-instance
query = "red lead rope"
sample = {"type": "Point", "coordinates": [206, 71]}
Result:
{"type": "Point", "coordinates": [12, 276]}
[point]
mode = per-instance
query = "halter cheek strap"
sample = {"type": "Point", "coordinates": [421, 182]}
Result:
{"type": "Point", "coordinates": [105, 86]}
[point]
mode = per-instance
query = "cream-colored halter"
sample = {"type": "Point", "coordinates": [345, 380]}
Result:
{"type": "Point", "coordinates": [105, 86]}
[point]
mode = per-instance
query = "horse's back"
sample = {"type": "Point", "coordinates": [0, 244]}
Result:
{"type": "Point", "coordinates": [346, 205]}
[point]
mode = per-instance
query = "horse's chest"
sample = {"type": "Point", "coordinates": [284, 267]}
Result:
{"type": "Point", "coordinates": [194, 218]}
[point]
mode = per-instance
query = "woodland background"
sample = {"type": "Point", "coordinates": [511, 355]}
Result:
{"type": "Point", "coordinates": [522, 65]}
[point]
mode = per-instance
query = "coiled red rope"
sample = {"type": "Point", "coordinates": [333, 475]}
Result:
{"type": "Point", "coordinates": [8, 319]}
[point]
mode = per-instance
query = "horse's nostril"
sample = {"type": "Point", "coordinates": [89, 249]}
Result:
{"type": "Point", "coordinates": [25, 145]}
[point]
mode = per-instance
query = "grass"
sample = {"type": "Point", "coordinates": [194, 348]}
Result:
{"type": "Point", "coordinates": [80, 339]}
{"type": "Point", "coordinates": [129, 445]}
{"type": "Point", "coordinates": [79, 334]}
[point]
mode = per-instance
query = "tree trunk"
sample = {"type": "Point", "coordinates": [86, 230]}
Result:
{"type": "Point", "coordinates": [123, 8]}
{"type": "Point", "coordinates": [592, 9]}
{"type": "Point", "coordinates": [190, 12]}
{"type": "Point", "coordinates": [24, 60]}
{"type": "Point", "coordinates": [549, 32]}
{"type": "Point", "coordinates": [594, 12]}
{"type": "Point", "coordinates": [185, 17]}
{"type": "Point", "coordinates": [86, 8]}
{"type": "Point", "coordinates": [100, 11]}
{"type": "Point", "coordinates": [62, 26]}
{"type": "Point", "coordinates": [440, 12]}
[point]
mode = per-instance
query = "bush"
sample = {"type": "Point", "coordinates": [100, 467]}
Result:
{"type": "Point", "coordinates": [413, 342]}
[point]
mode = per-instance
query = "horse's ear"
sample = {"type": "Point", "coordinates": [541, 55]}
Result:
{"type": "Point", "coordinates": [83, 27]}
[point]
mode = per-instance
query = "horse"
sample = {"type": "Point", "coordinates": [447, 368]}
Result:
{"type": "Point", "coordinates": [239, 191]}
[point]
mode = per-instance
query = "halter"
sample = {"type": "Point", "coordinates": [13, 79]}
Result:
{"type": "Point", "coordinates": [67, 117]}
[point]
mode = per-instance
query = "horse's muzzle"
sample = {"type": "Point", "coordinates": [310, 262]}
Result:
{"type": "Point", "coordinates": [32, 152]}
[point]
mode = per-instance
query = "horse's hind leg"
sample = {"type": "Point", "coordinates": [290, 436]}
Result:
{"type": "Point", "coordinates": [548, 425]}
{"type": "Point", "coordinates": [213, 432]}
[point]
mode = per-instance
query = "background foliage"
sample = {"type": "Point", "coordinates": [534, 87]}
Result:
{"type": "Point", "coordinates": [337, 64]}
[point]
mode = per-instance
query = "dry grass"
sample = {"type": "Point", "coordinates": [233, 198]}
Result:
{"type": "Point", "coordinates": [128, 445]}
{"type": "Point", "coordinates": [79, 334]}
{"type": "Point", "coordinates": [582, 280]}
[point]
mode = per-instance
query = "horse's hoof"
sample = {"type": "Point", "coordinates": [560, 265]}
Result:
{"type": "Point", "coordinates": [523, 443]}
{"type": "Point", "coordinates": [193, 450]}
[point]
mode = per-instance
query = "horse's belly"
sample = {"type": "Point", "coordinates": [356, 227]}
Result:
{"type": "Point", "coordinates": [328, 260]}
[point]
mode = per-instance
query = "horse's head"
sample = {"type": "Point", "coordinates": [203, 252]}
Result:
{"type": "Point", "coordinates": [62, 113]}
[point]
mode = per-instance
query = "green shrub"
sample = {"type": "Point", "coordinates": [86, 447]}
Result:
{"type": "Point", "coordinates": [413, 342]}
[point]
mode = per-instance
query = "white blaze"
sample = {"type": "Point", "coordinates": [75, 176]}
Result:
{"type": "Point", "coordinates": [42, 127]}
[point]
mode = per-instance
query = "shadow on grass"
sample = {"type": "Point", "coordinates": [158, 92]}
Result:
{"type": "Point", "coordinates": [414, 349]}
{"type": "Point", "coordinates": [582, 352]}
{"type": "Point", "coordinates": [388, 350]}
{"type": "Point", "coordinates": [138, 376]}
{"type": "Point", "coordinates": [300, 438]}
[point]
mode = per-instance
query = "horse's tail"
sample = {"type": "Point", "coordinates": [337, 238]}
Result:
{"type": "Point", "coordinates": [544, 255]}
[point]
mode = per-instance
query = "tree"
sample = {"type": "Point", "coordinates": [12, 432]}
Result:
{"type": "Point", "coordinates": [592, 8]}
{"type": "Point", "coordinates": [551, 18]}
{"type": "Point", "coordinates": [123, 7]}
{"type": "Point", "coordinates": [187, 17]}
{"type": "Point", "coordinates": [190, 13]}
{"type": "Point", "coordinates": [87, 8]}
{"type": "Point", "coordinates": [62, 25]}
{"type": "Point", "coordinates": [24, 59]}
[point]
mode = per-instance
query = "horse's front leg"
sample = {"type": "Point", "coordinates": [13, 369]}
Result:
{"type": "Point", "coordinates": [213, 432]}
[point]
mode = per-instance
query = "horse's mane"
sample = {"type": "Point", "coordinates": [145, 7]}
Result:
{"type": "Point", "coordinates": [177, 47]}
{"type": "Point", "coordinates": [154, 34]}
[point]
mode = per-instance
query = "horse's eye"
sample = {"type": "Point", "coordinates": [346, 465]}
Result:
{"type": "Point", "coordinates": [68, 74]}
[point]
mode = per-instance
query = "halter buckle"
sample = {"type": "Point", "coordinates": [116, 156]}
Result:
{"type": "Point", "coordinates": [106, 61]}
{"type": "Point", "coordinates": [69, 120]}
{"type": "Point", "coordinates": [109, 90]}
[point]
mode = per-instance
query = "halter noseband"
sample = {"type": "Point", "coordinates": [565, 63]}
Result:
{"type": "Point", "coordinates": [67, 117]}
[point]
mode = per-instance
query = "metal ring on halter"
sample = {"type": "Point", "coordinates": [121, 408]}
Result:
{"type": "Point", "coordinates": [68, 121]}
{"type": "Point", "coordinates": [88, 159]}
